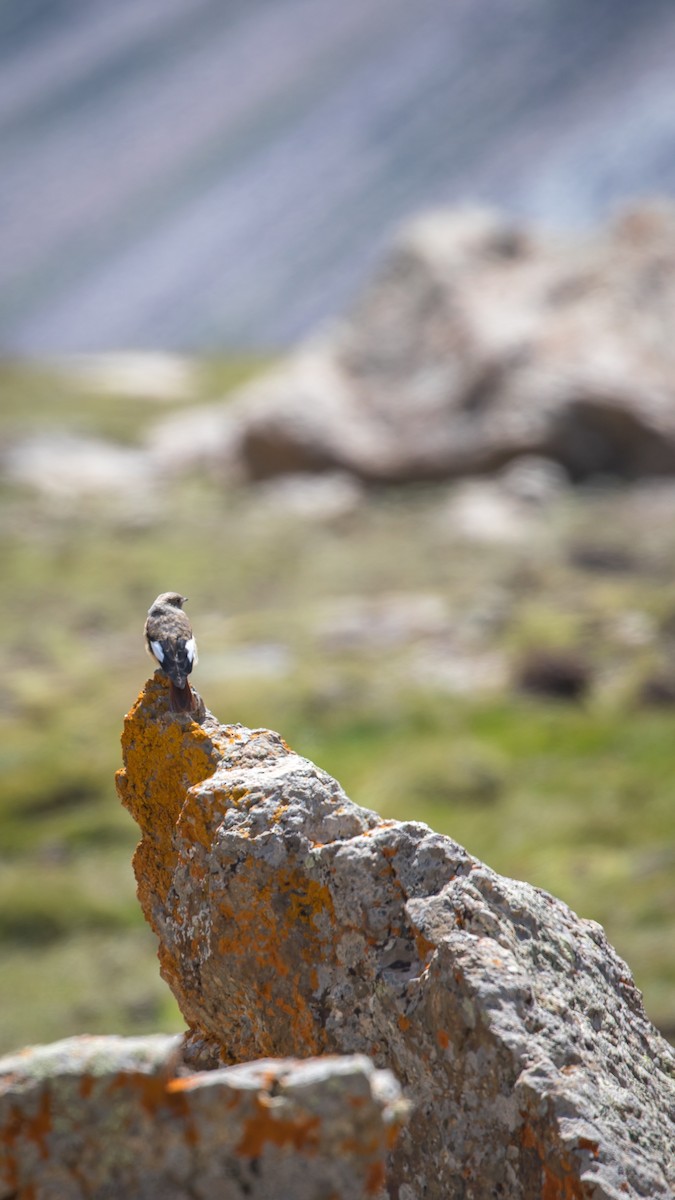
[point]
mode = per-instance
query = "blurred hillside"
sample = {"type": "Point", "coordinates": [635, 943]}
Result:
{"type": "Point", "coordinates": [192, 175]}
{"type": "Point", "coordinates": [495, 657]}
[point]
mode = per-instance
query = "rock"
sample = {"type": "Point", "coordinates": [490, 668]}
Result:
{"type": "Point", "coordinates": [69, 467]}
{"type": "Point", "coordinates": [134, 374]}
{"type": "Point", "coordinates": [480, 510]}
{"type": "Point", "coordinates": [292, 922]}
{"type": "Point", "coordinates": [307, 417]}
{"type": "Point", "coordinates": [317, 498]}
{"type": "Point", "coordinates": [559, 674]}
{"type": "Point", "coordinates": [202, 438]}
{"type": "Point", "coordinates": [104, 1117]}
{"type": "Point", "coordinates": [658, 690]}
{"type": "Point", "coordinates": [534, 480]}
{"type": "Point", "coordinates": [478, 343]}
{"type": "Point", "coordinates": [512, 508]}
{"type": "Point", "coordinates": [459, 670]}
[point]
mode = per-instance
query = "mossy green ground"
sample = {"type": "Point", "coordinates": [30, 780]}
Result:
{"type": "Point", "coordinates": [345, 635]}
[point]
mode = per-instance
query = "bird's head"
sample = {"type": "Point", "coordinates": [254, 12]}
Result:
{"type": "Point", "coordinates": [168, 600]}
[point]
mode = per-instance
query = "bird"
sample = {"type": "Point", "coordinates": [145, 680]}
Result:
{"type": "Point", "coordinates": [170, 641]}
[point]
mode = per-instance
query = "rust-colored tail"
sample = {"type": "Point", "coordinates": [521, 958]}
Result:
{"type": "Point", "coordinates": [181, 699]}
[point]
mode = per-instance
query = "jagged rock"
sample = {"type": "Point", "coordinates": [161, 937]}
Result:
{"type": "Point", "coordinates": [105, 1117]}
{"type": "Point", "coordinates": [477, 343]}
{"type": "Point", "coordinates": [292, 922]}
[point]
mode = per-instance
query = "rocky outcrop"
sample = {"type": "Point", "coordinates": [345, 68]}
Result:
{"type": "Point", "coordinates": [292, 922]}
{"type": "Point", "coordinates": [105, 1117]}
{"type": "Point", "coordinates": [477, 343]}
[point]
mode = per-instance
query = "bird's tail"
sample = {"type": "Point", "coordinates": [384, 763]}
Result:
{"type": "Point", "coordinates": [181, 699]}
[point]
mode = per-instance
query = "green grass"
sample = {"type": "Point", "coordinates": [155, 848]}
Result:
{"type": "Point", "coordinates": [292, 622]}
{"type": "Point", "coordinates": [86, 982]}
{"type": "Point", "coordinates": [43, 400]}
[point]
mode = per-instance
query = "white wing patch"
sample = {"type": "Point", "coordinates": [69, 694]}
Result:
{"type": "Point", "coordinates": [156, 648]}
{"type": "Point", "coordinates": [191, 650]}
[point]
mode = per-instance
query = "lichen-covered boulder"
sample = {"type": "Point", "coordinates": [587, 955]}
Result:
{"type": "Point", "coordinates": [97, 1118]}
{"type": "Point", "coordinates": [292, 922]}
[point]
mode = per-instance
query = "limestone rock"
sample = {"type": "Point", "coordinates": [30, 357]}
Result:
{"type": "Point", "coordinates": [292, 922]}
{"type": "Point", "coordinates": [105, 1117]}
{"type": "Point", "coordinates": [479, 342]}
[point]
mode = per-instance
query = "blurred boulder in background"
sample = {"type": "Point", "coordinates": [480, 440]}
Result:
{"type": "Point", "coordinates": [66, 466]}
{"type": "Point", "coordinates": [479, 343]}
{"type": "Point", "coordinates": [479, 348]}
{"type": "Point", "coordinates": [558, 674]}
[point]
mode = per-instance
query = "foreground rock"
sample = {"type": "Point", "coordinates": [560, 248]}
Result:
{"type": "Point", "coordinates": [105, 1117]}
{"type": "Point", "coordinates": [477, 343]}
{"type": "Point", "coordinates": [292, 922]}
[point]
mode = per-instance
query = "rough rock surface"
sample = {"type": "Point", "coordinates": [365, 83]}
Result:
{"type": "Point", "coordinates": [479, 342]}
{"type": "Point", "coordinates": [105, 1117]}
{"type": "Point", "coordinates": [292, 922]}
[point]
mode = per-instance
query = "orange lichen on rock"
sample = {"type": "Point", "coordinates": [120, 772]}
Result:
{"type": "Point", "coordinates": [178, 785]}
{"type": "Point", "coordinates": [23, 1128]}
{"type": "Point", "coordinates": [126, 1125]}
{"type": "Point", "coordinates": [559, 1178]}
{"type": "Point", "coordinates": [266, 1126]}
{"type": "Point", "coordinates": [163, 757]}
{"type": "Point", "coordinates": [267, 934]}
{"type": "Point", "coordinates": [375, 1179]}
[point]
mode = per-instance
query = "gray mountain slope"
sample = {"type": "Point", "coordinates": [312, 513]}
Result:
{"type": "Point", "coordinates": [190, 174]}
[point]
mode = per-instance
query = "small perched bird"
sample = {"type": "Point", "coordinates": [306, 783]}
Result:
{"type": "Point", "coordinates": [170, 641]}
